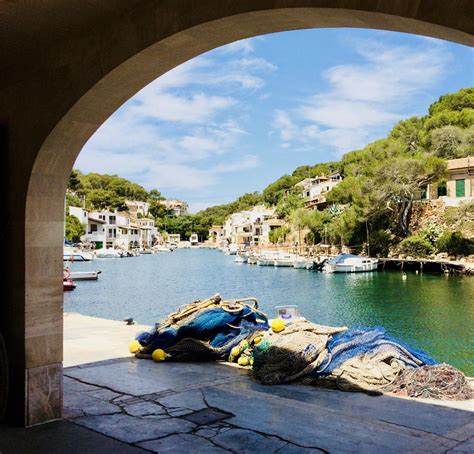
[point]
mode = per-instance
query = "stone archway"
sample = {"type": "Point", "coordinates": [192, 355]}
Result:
{"type": "Point", "coordinates": [65, 69]}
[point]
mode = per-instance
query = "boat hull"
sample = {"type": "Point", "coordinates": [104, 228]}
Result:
{"type": "Point", "coordinates": [84, 275]}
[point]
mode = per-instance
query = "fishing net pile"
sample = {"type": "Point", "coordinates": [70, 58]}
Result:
{"type": "Point", "coordinates": [360, 358]}
{"type": "Point", "coordinates": [204, 330]}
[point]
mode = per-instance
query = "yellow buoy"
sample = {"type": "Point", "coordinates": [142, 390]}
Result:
{"type": "Point", "coordinates": [234, 353]}
{"type": "Point", "coordinates": [278, 325]}
{"type": "Point", "coordinates": [257, 340]}
{"type": "Point", "coordinates": [134, 347]}
{"type": "Point", "coordinates": [243, 361]}
{"type": "Point", "coordinates": [244, 344]}
{"type": "Point", "coordinates": [158, 355]}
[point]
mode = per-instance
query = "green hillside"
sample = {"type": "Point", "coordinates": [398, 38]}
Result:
{"type": "Point", "coordinates": [380, 183]}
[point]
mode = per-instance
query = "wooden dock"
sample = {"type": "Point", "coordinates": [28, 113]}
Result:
{"type": "Point", "coordinates": [426, 265]}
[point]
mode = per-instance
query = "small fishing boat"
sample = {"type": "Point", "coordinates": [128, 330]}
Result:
{"type": "Point", "coordinates": [76, 255]}
{"type": "Point", "coordinates": [349, 263]}
{"type": "Point", "coordinates": [68, 285]}
{"type": "Point", "coordinates": [301, 263]}
{"type": "Point", "coordinates": [232, 249]}
{"type": "Point", "coordinates": [108, 253]}
{"type": "Point", "coordinates": [267, 258]}
{"type": "Point", "coordinates": [146, 251]}
{"type": "Point", "coordinates": [284, 260]}
{"type": "Point", "coordinates": [84, 275]}
{"type": "Point", "coordinates": [241, 258]}
{"type": "Point", "coordinates": [252, 260]}
{"type": "Point", "coordinates": [162, 249]}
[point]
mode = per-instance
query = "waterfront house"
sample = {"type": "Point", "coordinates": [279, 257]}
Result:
{"type": "Point", "coordinates": [459, 184]}
{"type": "Point", "coordinates": [175, 207]}
{"type": "Point", "coordinates": [246, 227]}
{"type": "Point", "coordinates": [93, 226]}
{"type": "Point", "coordinates": [80, 213]}
{"type": "Point", "coordinates": [174, 238]}
{"type": "Point", "coordinates": [314, 190]}
{"type": "Point", "coordinates": [149, 234]}
{"type": "Point", "coordinates": [137, 208]}
{"type": "Point", "coordinates": [267, 226]}
{"type": "Point", "coordinates": [216, 235]}
{"type": "Point", "coordinates": [194, 239]}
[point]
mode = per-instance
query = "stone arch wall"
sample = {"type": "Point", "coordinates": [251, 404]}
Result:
{"type": "Point", "coordinates": [66, 67]}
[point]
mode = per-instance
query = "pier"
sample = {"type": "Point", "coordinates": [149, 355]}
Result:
{"type": "Point", "coordinates": [426, 265]}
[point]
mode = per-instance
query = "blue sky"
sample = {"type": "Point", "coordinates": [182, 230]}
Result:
{"type": "Point", "coordinates": [236, 118]}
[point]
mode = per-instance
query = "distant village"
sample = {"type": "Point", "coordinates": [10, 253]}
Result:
{"type": "Point", "coordinates": [135, 228]}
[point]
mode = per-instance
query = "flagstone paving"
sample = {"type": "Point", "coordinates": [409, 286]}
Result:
{"type": "Point", "coordinates": [211, 408]}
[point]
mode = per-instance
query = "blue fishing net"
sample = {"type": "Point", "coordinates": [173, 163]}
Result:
{"type": "Point", "coordinates": [362, 340]}
{"type": "Point", "coordinates": [217, 326]}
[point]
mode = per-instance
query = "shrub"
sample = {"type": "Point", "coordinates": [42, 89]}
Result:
{"type": "Point", "coordinates": [454, 243]}
{"type": "Point", "coordinates": [431, 232]}
{"type": "Point", "coordinates": [380, 241]}
{"type": "Point", "coordinates": [416, 246]}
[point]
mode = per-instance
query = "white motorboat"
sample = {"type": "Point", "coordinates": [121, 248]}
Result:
{"type": "Point", "coordinates": [162, 249]}
{"type": "Point", "coordinates": [84, 275]}
{"type": "Point", "coordinates": [252, 260]}
{"type": "Point", "coordinates": [301, 263]}
{"type": "Point", "coordinates": [267, 258]}
{"type": "Point", "coordinates": [232, 249]}
{"type": "Point", "coordinates": [349, 263]}
{"type": "Point", "coordinates": [146, 251]}
{"type": "Point", "coordinates": [241, 258]}
{"type": "Point", "coordinates": [284, 259]}
{"type": "Point", "coordinates": [107, 254]}
{"type": "Point", "coordinates": [76, 255]}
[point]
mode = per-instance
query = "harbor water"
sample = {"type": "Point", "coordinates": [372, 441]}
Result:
{"type": "Point", "coordinates": [430, 311]}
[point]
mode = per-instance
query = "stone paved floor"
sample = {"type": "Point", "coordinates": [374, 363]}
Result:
{"type": "Point", "coordinates": [212, 408]}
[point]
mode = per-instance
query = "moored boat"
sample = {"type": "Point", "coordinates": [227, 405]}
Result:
{"type": "Point", "coordinates": [241, 258]}
{"type": "Point", "coordinates": [349, 263]}
{"type": "Point", "coordinates": [301, 263]}
{"type": "Point", "coordinates": [107, 253]}
{"type": "Point", "coordinates": [68, 285]}
{"type": "Point", "coordinates": [76, 255]}
{"type": "Point", "coordinates": [162, 249]}
{"type": "Point", "coordinates": [252, 260]}
{"type": "Point", "coordinates": [284, 260]}
{"type": "Point", "coordinates": [84, 275]}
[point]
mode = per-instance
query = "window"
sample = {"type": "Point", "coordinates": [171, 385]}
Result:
{"type": "Point", "coordinates": [442, 190]}
{"type": "Point", "coordinates": [112, 219]}
{"type": "Point", "coordinates": [93, 228]}
{"type": "Point", "coordinates": [460, 188]}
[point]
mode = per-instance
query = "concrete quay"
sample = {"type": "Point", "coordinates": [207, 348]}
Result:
{"type": "Point", "coordinates": [122, 404]}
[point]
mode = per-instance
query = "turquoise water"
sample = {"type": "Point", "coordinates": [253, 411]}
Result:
{"type": "Point", "coordinates": [432, 312]}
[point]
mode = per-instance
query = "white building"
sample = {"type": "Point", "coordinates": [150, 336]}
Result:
{"type": "Point", "coordinates": [175, 207]}
{"type": "Point", "coordinates": [216, 235]}
{"type": "Point", "coordinates": [93, 226]}
{"type": "Point", "coordinates": [314, 190]}
{"type": "Point", "coordinates": [246, 227]}
{"type": "Point", "coordinates": [137, 208]}
{"type": "Point", "coordinates": [149, 234]}
{"type": "Point", "coordinates": [174, 238]}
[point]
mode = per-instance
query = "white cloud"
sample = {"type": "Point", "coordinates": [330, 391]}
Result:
{"type": "Point", "coordinates": [245, 46]}
{"type": "Point", "coordinates": [197, 108]}
{"type": "Point", "coordinates": [363, 100]}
